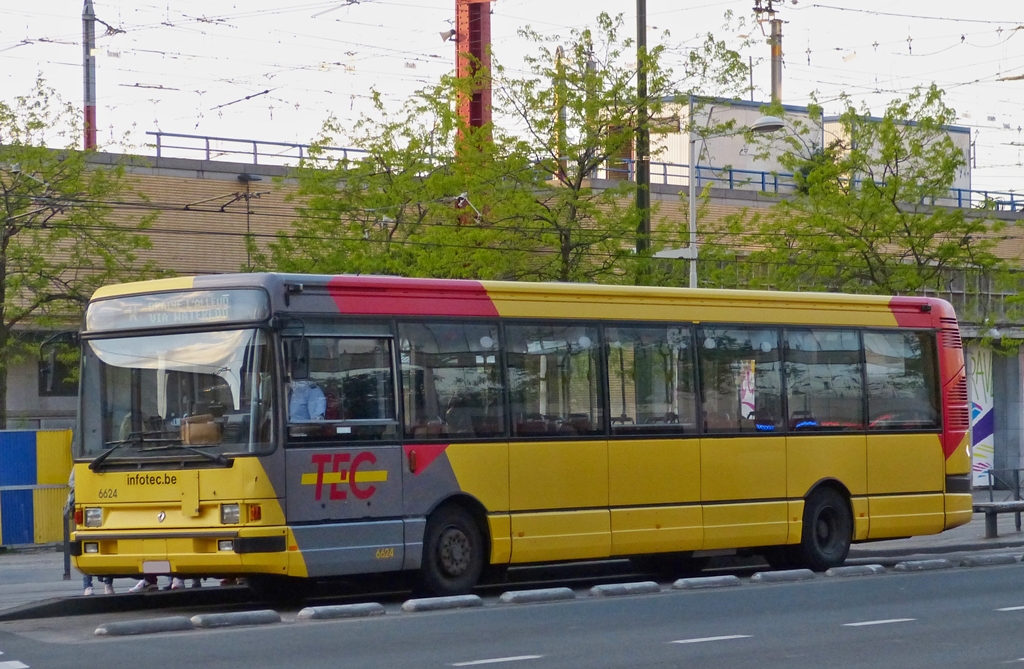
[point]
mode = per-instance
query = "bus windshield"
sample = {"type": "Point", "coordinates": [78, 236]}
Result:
{"type": "Point", "coordinates": [202, 395]}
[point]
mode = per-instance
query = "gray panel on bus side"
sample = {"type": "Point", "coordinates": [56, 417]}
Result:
{"type": "Point", "coordinates": [351, 548]}
{"type": "Point", "coordinates": [414, 529]}
{"type": "Point", "coordinates": [321, 485]}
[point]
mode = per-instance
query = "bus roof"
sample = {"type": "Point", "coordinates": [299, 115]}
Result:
{"type": "Point", "coordinates": [397, 296]}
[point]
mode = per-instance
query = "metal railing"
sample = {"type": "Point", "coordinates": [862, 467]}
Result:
{"type": "Point", "coordinates": [170, 144]}
{"type": "Point", "coordinates": [1009, 483]}
{"type": "Point", "coordinates": [258, 152]}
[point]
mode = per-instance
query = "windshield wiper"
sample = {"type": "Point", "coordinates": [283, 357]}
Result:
{"type": "Point", "coordinates": [137, 438]}
{"type": "Point", "coordinates": [215, 457]}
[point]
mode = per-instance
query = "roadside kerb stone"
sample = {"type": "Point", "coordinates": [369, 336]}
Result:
{"type": "Point", "coordinates": [236, 618]}
{"type": "Point", "coordinates": [145, 626]}
{"type": "Point", "coordinates": [986, 560]}
{"type": "Point", "coordinates": [442, 603]}
{"type": "Point", "coordinates": [782, 576]}
{"type": "Point", "coordinates": [856, 570]}
{"type": "Point", "coordinates": [617, 589]}
{"type": "Point", "coordinates": [341, 611]}
{"type": "Point", "coordinates": [705, 582]}
{"type": "Point", "coordinates": [539, 595]}
{"type": "Point", "coordinates": [923, 565]}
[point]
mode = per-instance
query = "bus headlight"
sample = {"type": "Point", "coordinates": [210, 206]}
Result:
{"type": "Point", "coordinates": [229, 514]}
{"type": "Point", "coordinates": [93, 516]}
{"type": "Point", "coordinates": [91, 547]}
{"type": "Point", "coordinates": [225, 545]}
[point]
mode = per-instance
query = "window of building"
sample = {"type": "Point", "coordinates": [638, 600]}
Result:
{"type": "Point", "coordinates": [554, 380]}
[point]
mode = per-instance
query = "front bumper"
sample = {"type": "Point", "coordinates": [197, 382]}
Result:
{"type": "Point", "coordinates": [198, 552]}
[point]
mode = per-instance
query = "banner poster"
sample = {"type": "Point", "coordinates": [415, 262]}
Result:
{"type": "Point", "coordinates": [979, 393]}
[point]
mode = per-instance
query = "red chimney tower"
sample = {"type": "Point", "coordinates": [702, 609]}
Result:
{"type": "Point", "coordinates": [472, 51]}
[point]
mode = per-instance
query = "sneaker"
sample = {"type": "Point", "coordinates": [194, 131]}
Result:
{"type": "Point", "coordinates": [108, 589]}
{"type": "Point", "coordinates": [88, 592]}
{"type": "Point", "coordinates": [143, 586]}
{"type": "Point", "coordinates": [177, 583]}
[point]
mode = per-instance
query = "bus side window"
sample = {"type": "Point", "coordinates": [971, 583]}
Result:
{"type": "Point", "coordinates": [451, 380]}
{"type": "Point", "coordinates": [741, 380]}
{"type": "Point", "coordinates": [651, 380]}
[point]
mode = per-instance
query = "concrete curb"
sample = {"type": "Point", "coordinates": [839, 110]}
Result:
{"type": "Point", "coordinates": [856, 570]}
{"type": "Point", "coordinates": [705, 582]}
{"type": "Point", "coordinates": [874, 553]}
{"type": "Point", "coordinates": [442, 603]}
{"type": "Point", "coordinates": [619, 589]}
{"type": "Point", "coordinates": [539, 595]}
{"type": "Point", "coordinates": [923, 565]}
{"type": "Point", "coordinates": [341, 611]}
{"type": "Point", "coordinates": [145, 626]}
{"type": "Point", "coordinates": [237, 618]}
{"type": "Point", "coordinates": [783, 576]}
{"type": "Point", "coordinates": [986, 560]}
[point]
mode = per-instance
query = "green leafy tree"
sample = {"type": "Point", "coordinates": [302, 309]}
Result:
{"type": "Point", "coordinates": [432, 197]}
{"type": "Point", "coordinates": [60, 239]}
{"type": "Point", "coordinates": [872, 211]}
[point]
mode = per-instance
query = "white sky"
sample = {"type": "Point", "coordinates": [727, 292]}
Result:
{"type": "Point", "coordinates": [179, 60]}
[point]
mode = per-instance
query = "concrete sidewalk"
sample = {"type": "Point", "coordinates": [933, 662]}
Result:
{"type": "Point", "coordinates": [36, 574]}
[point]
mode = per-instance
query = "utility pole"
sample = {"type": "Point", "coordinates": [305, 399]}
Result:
{"type": "Point", "coordinates": [643, 137]}
{"type": "Point", "coordinates": [89, 73]}
{"type": "Point", "coordinates": [774, 41]}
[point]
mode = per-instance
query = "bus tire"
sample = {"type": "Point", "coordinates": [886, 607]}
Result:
{"type": "Point", "coordinates": [827, 530]}
{"type": "Point", "coordinates": [453, 552]}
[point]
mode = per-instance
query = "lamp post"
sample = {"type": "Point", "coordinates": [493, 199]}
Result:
{"type": "Point", "coordinates": [690, 252]}
{"type": "Point", "coordinates": [763, 125]}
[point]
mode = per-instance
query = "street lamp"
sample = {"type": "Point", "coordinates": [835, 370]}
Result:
{"type": "Point", "coordinates": [690, 252]}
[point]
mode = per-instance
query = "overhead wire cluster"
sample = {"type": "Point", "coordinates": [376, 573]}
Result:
{"type": "Point", "coordinates": [271, 57]}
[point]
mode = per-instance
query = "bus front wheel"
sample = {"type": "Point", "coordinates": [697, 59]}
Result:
{"type": "Point", "coordinates": [827, 530]}
{"type": "Point", "coordinates": [453, 554]}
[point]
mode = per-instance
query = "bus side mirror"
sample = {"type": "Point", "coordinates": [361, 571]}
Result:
{"type": "Point", "coordinates": [298, 358]}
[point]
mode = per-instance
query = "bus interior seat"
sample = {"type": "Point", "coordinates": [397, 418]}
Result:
{"type": "Point", "coordinates": [718, 420]}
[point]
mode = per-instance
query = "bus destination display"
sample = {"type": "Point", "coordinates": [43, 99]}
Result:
{"type": "Point", "coordinates": [197, 307]}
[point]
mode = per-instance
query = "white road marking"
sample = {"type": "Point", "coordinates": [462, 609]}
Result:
{"type": "Point", "coordinates": [13, 664]}
{"type": "Point", "coordinates": [713, 638]}
{"type": "Point", "coordinates": [879, 622]}
{"type": "Point", "coordinates": [1012, 608]}
{"type": "Point", "coordinates": [494, 660]}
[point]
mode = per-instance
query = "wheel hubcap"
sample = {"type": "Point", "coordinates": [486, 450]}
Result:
{"type": "Point", "coordinates": [825, 529]}
{"type": "Point", "coordinates": [455, 551]}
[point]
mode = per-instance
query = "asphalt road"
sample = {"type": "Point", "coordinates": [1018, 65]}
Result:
{"type": "Point", "coordinates": [951, 618]}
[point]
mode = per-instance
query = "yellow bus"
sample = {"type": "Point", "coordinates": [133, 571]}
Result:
{"type": "Point", "coordinates": [289, 428]}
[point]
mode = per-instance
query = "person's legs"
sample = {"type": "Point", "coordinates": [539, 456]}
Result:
{"type": "Point", "coordinates": [108, 584]}
{"type": "Point", "coordinates": [147, 584]}
{"type": "Point", "coordinates": [86, 585]}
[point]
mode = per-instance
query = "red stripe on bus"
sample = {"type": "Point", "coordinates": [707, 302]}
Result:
{"type": "Point", "coordinates": [410, 297]}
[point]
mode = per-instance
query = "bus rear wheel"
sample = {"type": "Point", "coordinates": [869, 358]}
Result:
{"type": "Point", "coordinates": [453, 554]}
{"type": "Point", "coordinates": [827, 530]}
